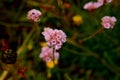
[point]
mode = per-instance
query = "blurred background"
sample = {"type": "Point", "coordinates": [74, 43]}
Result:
{"type": "Point", "coordinates": [94, 59]}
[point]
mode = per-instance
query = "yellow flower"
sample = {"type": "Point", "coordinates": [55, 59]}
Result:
{"type": "Point", "coordinates": [77, 19]}
{"type": "Point", "coordinates": [43, 44]}
{"type": "Point", "coordinates": [51, 64]}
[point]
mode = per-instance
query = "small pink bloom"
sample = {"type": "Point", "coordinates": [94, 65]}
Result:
{"type": "Point", "coordinates": [105, 1]}
{"type": "Point", "coordinates": [108, 22]}
{"type": "Point", "coordinates": [34, 15]}
{"type": "Point", "coordinates": [47, 54]}
{"type": "Point", "coordinates": [100, 3]}
{"type": "Point", "coordinates": [91, 6]}
{"type": "Point", "coordinates": [55, 38]}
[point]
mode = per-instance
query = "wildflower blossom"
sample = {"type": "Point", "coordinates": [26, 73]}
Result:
{"type": "Point", "coordinates": [91, 6]}
{"type": "Point", "coordinates": [108, 1]}
{"type": "Point", "coordinates": [34, 15]}
{"type": "Point", "coordinates": [55, 38]}
{"type": "Point", "coordinates": [77, 19]}
{"type": "Point", "coordinates": [105, 1]}
{"type": "Point", "coordinates": [47, 54]}
{"type": "Point", "coordinates": [108, 22]}
{"type": "Point", "coordinates": [51, 64]}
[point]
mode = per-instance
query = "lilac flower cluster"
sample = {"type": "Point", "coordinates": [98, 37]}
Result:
{"type": "Point", "coordinates": [34, 15]}
{"type": "Point", "coordinates": [91, 6]}
{"type": "Point", "coordinates": [54, 38]}
{"type": "Point", "coordinates": [108, 22]}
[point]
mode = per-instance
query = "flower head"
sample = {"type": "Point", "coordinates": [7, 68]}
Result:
{"type": "Point", "coordinates": [108, 22]}
{"type": "Point", "coordinates": [34, 15]}
{"type": "Point", "coordinates": [47, 54]}
{"type": "Point", "coordinates": [105, 1]}
{"type": "Point", "coordinates": [91, 6]}
{"type": "Point", "coordinates": [77, 19]}
{"type": "Point", "coordinates": [55, 38]}
{"type": "Point", "coordinates": [108, 1]}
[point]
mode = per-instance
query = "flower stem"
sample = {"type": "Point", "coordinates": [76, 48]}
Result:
{"type": "Point", "coordinates": [102, 60]}
{"type": "Point", "coordinates": [35, 26]}
{"type": "Point", "coordinates": [54, 55]}
{"type": "Point", "coordinates": [94, 34]}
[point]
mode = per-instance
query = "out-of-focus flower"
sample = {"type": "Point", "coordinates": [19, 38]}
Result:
{"type": "Point", "coordinates": [91, 6]}
{"type": "Point", "coordinates": [108, 22]}
{"type": "Point", "coordinates": [77, 19]}
{"type": "Point", "coordinates": [47, 54]}
{"type": "Point", "coordinates": [51, 64]}
{"type": "Point", "coordinates": [34, 15]}
{"type": "Point", "coordinates": [105, 1]}
{"type": "Point", "coordinates": [55, 38]}
{"type": "Point", "coordinates": [108, 1]}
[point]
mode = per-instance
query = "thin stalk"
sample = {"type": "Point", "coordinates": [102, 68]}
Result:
{"type": "Point", "coordinates": [94, 34]}
{"type": "Point", "coordinates": [25, 42]}
{"type": "Point", "coordinates": [102, 60]}
{"type": "Point", "coordinates": [35, 26]}
{"type": "Point", "coordinates": [57, 5]}
{"type": "Point", "coordinates": [54, 55]}
{"type": "Point", "coordinates": [67, 76]}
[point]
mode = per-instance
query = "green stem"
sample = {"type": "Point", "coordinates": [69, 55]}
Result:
{"type": "Point", "coordinates": [19, 10]}
{"type": "Point", "coordinates": [14, 25]}
{"type": "Point", "coordinates": [94, 34]}
{"type": "Point", "coordinates": [54, 55]}
{"type": "Point", "coordinates": [113, 69]}
{"type": "Point", "coordinates": [75, 52]}
{"type": "Point", "coordinates": [25, 42]}
{"type": "Point", "coordinates": [56, 5]}
{"type": "Point", "coordinates": [67, 76]}
{"type": "Point", "coordinates": [111, 62]}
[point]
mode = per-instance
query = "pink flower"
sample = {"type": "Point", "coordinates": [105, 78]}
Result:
{"type": "Point", "coordinates": [91, 6]}
{"type": "Point", "coordinates": [105, 1]}
{"type": "Point", "coordinates": [47, 54]}
{"type": "Point", "coordinates": [55, 38]}
{"type": "Point", "coordinates": [108, 22]}
{"type": "Point", "coordinates": [34, 15]}
{"type": "Point", "coordinates": [108, 1]}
